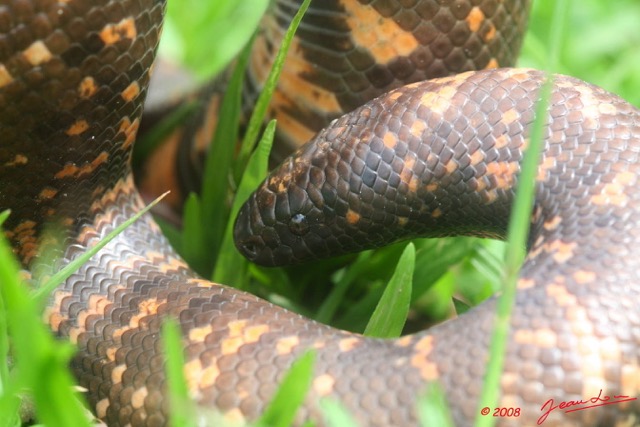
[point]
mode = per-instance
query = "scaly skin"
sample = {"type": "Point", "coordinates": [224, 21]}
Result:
{"type": "Point", "coordinates": [73, 77]}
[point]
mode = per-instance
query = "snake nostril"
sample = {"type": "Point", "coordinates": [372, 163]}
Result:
{"type": "Point", "coordinates": [249, 249]}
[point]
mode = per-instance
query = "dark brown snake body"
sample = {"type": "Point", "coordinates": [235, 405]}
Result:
{"type": "Point", "coordinates": [433, 158]}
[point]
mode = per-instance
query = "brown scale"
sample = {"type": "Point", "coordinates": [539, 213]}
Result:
{"type": "Point", "coordinates": [575, 322]}
{"type": "Point", "coordinates": [345, 53]}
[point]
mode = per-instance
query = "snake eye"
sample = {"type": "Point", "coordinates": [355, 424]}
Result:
{"type": "Point", "coordinates": [298, 224]}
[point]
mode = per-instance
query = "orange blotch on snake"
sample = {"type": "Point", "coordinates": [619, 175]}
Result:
{"type": "Point", "coordinates": [389, 140]}
{"type": "Point", "coordinates": [560, 250]}
{"type": "Point", "coordinates": [552, 223]}
{"type": "Point", "coordinates": [510, 116]}
{"type": "Point", "coordinates": [476, 158]}
{"type": "Point", "coordinates": [18, 160]}
{"type": "Point", "coordinates": [206, 129]}
{"type": "Point", "coordinates": [77, 128]}
{"type": "Point", "coordinates": [407, 175]}
{"type": "Point", "coordinates": [490, 34]}
{"type": "Point", "coordinates": [285, 345]}
{"type": "Point", "coordinates": [87, 87]}
{"type": "Point", "coordinates": [503, 173]}
{"type": "Point", "coordinates": [607, 109]}
{"type": "Point", "coordinates": [613, 193]}
{"type": "Point", "coordinates": [422, 350]}
{"type": "Point", "coordinates": [25, 234]}
{"type": "Point", "coordinates": [253, 333]}
{"type": "Point", "coordinates": [501, 141]}
{"type": "Point", "coordinates": [47, 193]}
{"type": "Point", "coordinates": [72, 171]}
{"type": "Point", "coordinates": [111, 353]}
{"type": "Point", "coordinates": [583, 276]}
{"type": "Point", "coordinates": [404, 341]}
{"type": "Point", "coordinates": [199, 334]}
{"type": "Point", "coordinates": [209, 375]}
{"type": "Point", "coordinates": [493, 63]}
{"type": "Point", "coordinates": [630, 378]}
{"type": "Point", "coordinates": [544, 167]}
{"type": "Point", "coordinates": [236, 327]}
{"type": "Point", "coordinates": [290, 126]}
{"type": "Point", "coordinates": [392, 97]}
{"type": "Point", "coordinates": [451, 166]}
{"type": "Point", "coordinates": [131, 92]}
{"type": "Point", "coordinates": [192, 371]}
{"type": "Point", "coordinates": [234, 417]}
{"type": "Point", "coordinates": [52, 314]}
{"type": "Point", "coordinates": [542, 337]}
{"type": "Point", "coordinates": [5, 76]}
{"type": "Point", "coordinates": [113, 33]}
{"type": "Point", "coordinates": [441, 100]}
{"type": "Point", "coordinates": [418, 127]}
{"type": "Point", "coordinates": [117, 372]}
{"type": "Point", "coordinates": [384, 39]}
{"type": "Point", "coordinates": [97, 304]}
{"type": "Point", "coordinates": [295, 87]}
{"type": "Point", "coordinates": [431, 187]}
{"type": "Point", "coordinates": [323, 384]}
{"type": "Point", "coordinates": [352, 217]}
{"type": "Point", "coordinates": [475, 19]}
{"type": "Point", "coordinates": [101, 408]}
{"type": "Point", "coordinates": [525, 283]}
{"type": "Point", "coordinates": [559, 293]}
{"type": "Point", "coordinates": [37, 53]}
{"type": "Point", "coordinates": [138, 397]}
{"type": "Point", "coordinates": [231, 345]}
{"type": "Point", "coordinates": [348, 344]}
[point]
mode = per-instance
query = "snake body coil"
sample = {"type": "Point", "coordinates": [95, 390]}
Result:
{"type": "Point", "coordinates": [432, 158]}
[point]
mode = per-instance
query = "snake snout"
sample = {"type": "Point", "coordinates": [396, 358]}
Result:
{"type": "Point", "coordinates": [247, 243]}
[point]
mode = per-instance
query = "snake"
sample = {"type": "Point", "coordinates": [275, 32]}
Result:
{"type": "Point", "coordinates": [431, 158]}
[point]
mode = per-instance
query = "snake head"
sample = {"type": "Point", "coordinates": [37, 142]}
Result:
{"type": "Point", "coordinates": [304, 210]}
{"type": "Point", "coordinates": [280, 224]}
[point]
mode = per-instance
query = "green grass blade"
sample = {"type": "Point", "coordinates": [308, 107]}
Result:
{"type": "Point", "coordinates": [260, 110]}
{"type": "Point", "coordinates": [194, 243]}
{"type": "Point", "coordinates": [433, 409]}
{"type": "Point", "coordinates": [558, 23]}
{"type": "Point", "coordinates": [390, 315]}
{"type": "Point", "coordinates": [46, 288]}
{"type": "Point", "coordinates": [41, 362]}
{"type": "Point", "coordinates": [518, 232]}
{"type": "Point", "coordinates": [192, 26]}
{"type": "Point", "coordinates": [291, 393]}
{"type": "Point", "coordinates": [3, 216]}
{"type": "Point", "coordinates": [217, 170]}
{"type": "Point", "coordinates": [331, 304]}
{"type": "Point", "coordinates": [9, 405]}
{"type": "Point", "coordinates": [231, 266]}
{"type": "Point", "coordinates": [335, 414]}
{"type": "Point", "coordinates": [182, 407]}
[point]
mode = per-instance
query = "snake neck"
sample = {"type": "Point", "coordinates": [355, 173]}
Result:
{"type": "Point", "coordinates": [67, 141]}
{"type": "Point", "coordinates": [442, 157]}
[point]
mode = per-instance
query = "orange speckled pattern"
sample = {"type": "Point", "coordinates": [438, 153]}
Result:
{"type": "Point", "coordinates": [73, 78]}
{"type": "Point", "coordinates": [572, 333]}
{"type": "Point", "coordinates": [347, 52]}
